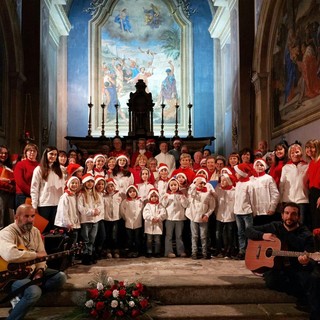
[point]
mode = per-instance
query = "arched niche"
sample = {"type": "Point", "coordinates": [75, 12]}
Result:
{"type": "Point", "coordinates": [120, 45]}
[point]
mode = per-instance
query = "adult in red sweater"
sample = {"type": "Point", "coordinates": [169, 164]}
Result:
{"type": "Point", "coordinates": [23, 173]}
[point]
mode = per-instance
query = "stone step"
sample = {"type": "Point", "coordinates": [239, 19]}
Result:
{"type": "Point", "coordinates": [277, 311]}
{"type": "Point", "coordinates": [184, 288]}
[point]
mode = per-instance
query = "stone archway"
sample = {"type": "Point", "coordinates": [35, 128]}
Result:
{"type": "Point", "coordinates": [262, 60]}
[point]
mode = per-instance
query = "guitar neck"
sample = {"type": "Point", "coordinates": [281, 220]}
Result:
{"type": "Point", "coordinates": [281, 253]}
{"type": "Point", "coordinates": [15, 266]}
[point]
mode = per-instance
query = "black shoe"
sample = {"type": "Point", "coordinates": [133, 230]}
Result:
{"type": "Point", "coordinates": [206, 256]}
{"type": "Point", "coordinates": [240, 256]}
{"type": "Point", "coordinates": [148, 255]}
{"type": "Point", "coordinates": [157, 255]}
{"type": "Point", "coordinates": [86, 260]}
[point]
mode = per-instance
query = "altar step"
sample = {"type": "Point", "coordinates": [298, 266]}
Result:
{"type": "Point", "coordinates": [184, 288]}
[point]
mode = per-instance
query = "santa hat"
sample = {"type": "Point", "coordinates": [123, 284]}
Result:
{"type": "Point", "coordinates": [262, 161]}
{"type": "Point", "coordinates": [203, 161]}
{"type": "Point", "coordinates": [122, 156]}
{"type": "Point", "coordinates": [72, 168]}
{"type": "Point", "coordinates": [258, 153]}
{"type": "Point", "coordinates": [226, 170]}
{"type": "Point", "coordinates": [162, 166]}
{"type": "Point", "coordinates": [153, 190]}
{"type": "Point", "coordinates": [181, 174]}
{"type": "Point", "coordinates": [172, 179]}
{"type": "Point", "coordinates": [97, 156]}
{"type": "Point", "coordinates": [229, 178]}
{"type": "Point", "coordinates": [87, 177]}
{"type": "Point", "coordinates": [135, 187]}
{"type": "Point", "coordinates": [89, 160]}
{"type": "Point", "coordinates": [201, 178]}
{"type": "Point", "coordinates": [150, 141]}
{"type": "Point", "coordinates": [203, 171]}
{"type": "Point", "coordinates": [68, 182]}
{"type": "Point", "coordinates": [243, 169]}
{"type": "Point", "coordinates": [111, 181]}
{"type": "Point", "coordinates": [98, 178]}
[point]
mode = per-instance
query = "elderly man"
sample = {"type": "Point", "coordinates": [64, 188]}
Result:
{"type": "Point", "coordinates": [22, 234]}
{"type": "Point", "coordinates": [165, 157]}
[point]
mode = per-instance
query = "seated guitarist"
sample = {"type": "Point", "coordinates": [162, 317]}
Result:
{"type": "Point", "coordinates": [299, 277]}
{"type": "Point", "coordinates": [19, 234]}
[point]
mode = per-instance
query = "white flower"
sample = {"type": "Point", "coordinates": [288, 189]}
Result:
{"type": "Point", "coordinates": [99, 286]}
{"type": "Point", "coordinates": [131, 304]}
{"type": "Point", "coordinates": [110, 281]}
{"type": "Point", "coordinates": [114, 303]}
{"type": "Point", "coordinates": [89, 304]}
{"type": "Point", "coordinates": [115, 293]}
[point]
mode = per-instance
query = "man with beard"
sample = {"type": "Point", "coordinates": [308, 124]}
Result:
{"type": "Point", "coordinates": [22, 234]}
{"type": "Point", "coordinates": [296, 276]}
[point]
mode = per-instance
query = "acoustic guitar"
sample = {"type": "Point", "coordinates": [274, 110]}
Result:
{"type": "Point", "coordinates": [260, 254]}
{"type": "Point", "coordinates": [10, 272]}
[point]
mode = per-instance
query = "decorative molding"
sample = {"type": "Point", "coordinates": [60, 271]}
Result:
{"type": "Point", "coordinates": [259, 80]}
{"type": "Point", "coordinates": [59, 24]}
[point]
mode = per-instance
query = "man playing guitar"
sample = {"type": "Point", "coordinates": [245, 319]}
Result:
{"type": "Point", "coordinates": [299, 277]}
{"type": "Point", "coordinates": [20, 234]}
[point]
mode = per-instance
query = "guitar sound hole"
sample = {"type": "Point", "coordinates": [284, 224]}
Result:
{"type": "Point", "coordinates": [269, 252]}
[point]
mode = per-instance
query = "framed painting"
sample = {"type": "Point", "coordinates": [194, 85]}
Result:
{"type": "Point", "coordinates": [295, 66]}
{"type": "Point", "coordinates": [134, 40]}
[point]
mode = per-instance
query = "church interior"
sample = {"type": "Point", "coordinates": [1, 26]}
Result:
{"type": "Point", "coordinates": [229, 61]}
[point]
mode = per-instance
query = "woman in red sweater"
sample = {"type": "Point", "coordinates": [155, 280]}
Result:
{"type": "Point", "coordinates": [23, 173]}
{"type": "Point", "coordinates": [312, 148]}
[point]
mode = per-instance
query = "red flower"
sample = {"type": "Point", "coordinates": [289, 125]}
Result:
{"type": "Point", "coordinates": [135, 313]}
{"type": "Point", "coordinates": [107, 294]}
{"type": "Point", "coordinates": [121, 283]}
{"type": "Point", "coordinates": [139, 286]}
{"type": "Point", "coordinates": [144, 303]}
{"type": "Point", "coordinates": [316, 232]}
{"type": "Point", "coordinates": [114, 287]}
{"type": "Point", "coordinates": [120, 313]}
{"type": "Point", "coordinates": [93, 293]}
{"type": "Point", "coordinates": [106, 315]}
{"type": "Point", "coordinates": [122, 293]}
{"type": "Point", "coordinates": [94, 313]}
{"type": "Point", "coordinates": [135, 293]}
{"type": "Point", "coordinates": [100, 305]}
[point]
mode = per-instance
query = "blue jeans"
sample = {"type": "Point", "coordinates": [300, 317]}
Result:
{"type": "Point", "coordinates": [89, 232]}
{"type": "Point", "coordinates": [243, 222]}
{"type": "Point", "coordinates": [177, 227]}
{"type": "Point", "coordinates": [195, 228]}
{"type": "Point", "coordinates": [33, 293]}
{"type": "Point", "coordinates": [157, 243]}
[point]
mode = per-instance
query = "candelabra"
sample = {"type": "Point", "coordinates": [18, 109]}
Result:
{"type": "Point", "coordinates": [90, 105]}
{"type": "Point", "coordinates": [103, 106]}
{"type": "Point", "coordinates": [162, 109]}
{"type": "Point", "coordinates": [117, 119]}
{"type": "Point", "coordinates": [189, 125]}
{"type": "Point", "coordinates": [176, 133]}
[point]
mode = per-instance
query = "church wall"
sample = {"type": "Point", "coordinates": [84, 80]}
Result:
{"type": "Point", "coordinates": [78, 71]}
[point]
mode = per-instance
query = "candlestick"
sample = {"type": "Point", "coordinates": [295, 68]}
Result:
{"type": "Point", "coordinates": [189, 131]}
{"type": "Point", "coordinates": [162, 109]}
{"type": "Point", "coordinates": [176, 135]}
{"type": "Point", "coordinates": [90, 105]}
{"type": "Point", "coordinates": [102, 122]}
{"type": "Point", "coordinates": [117, 119]}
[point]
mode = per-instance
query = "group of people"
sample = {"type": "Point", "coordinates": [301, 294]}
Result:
{"type": "Point", "coordinates": [209, 204]}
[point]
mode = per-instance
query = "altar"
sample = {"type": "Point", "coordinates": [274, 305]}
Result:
{"type": "Point", "coordinates": [140, 125]}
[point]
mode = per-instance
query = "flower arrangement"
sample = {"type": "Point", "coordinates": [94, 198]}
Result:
{"type": "Point", "coordinates": [113, 299]}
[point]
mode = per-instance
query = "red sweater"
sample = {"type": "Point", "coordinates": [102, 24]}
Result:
{"type": "Point", "coordinates": [314, 174]}
{"type": "Point", "coordinates": [23, 175]}
{"type": "Point", "coordinates": [275, 172]}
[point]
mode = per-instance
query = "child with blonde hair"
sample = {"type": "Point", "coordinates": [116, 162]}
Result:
{"type": "Point", "coordinates": [90, 206]}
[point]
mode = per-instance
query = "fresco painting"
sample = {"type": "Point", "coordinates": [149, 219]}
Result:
{"type": "Point", "coordinates": [141, 40]}
{"type": "Point", "coordinates": [296, 63]}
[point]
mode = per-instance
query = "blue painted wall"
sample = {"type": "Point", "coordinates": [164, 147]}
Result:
{"type": "Point", "coordinates": [203, 123]}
